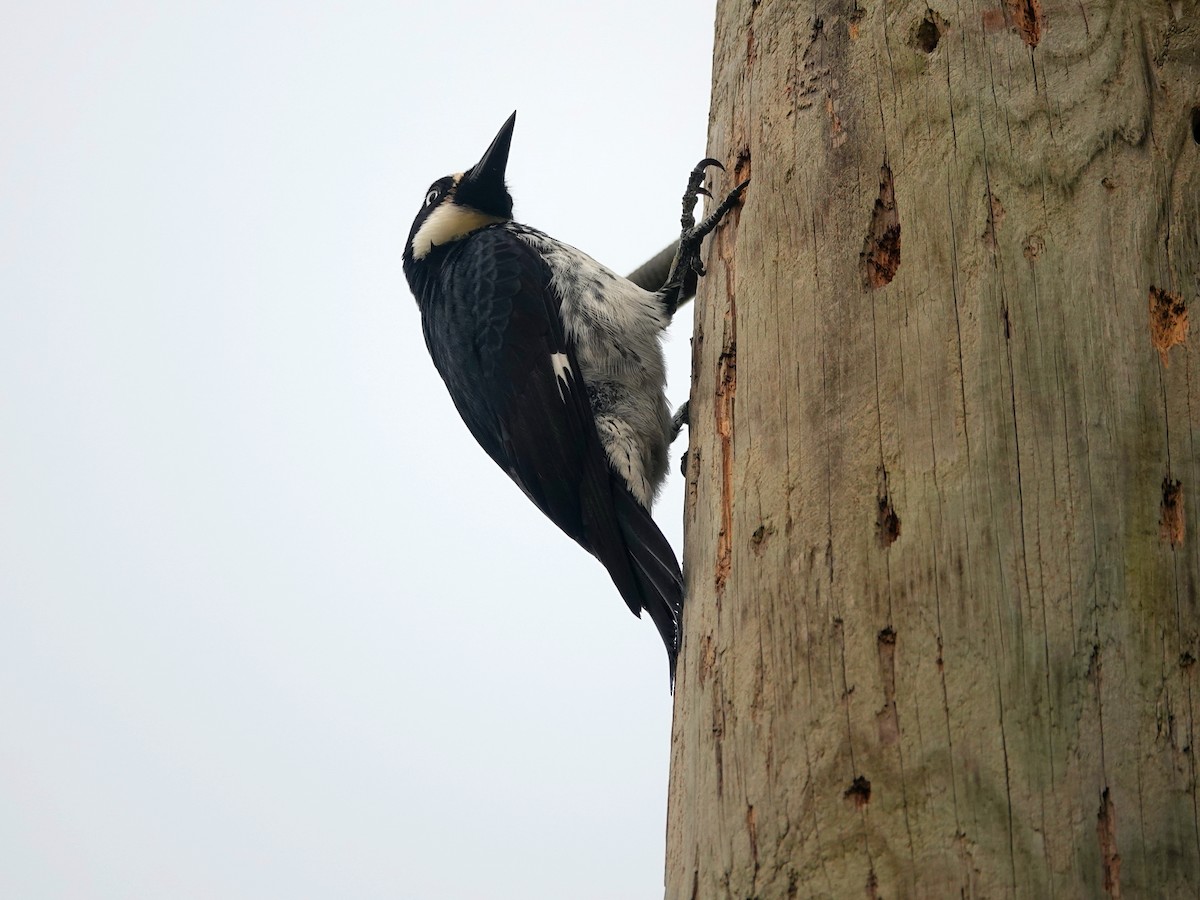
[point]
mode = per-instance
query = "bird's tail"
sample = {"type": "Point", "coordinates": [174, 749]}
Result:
{"type": "Point", "coordinates": [656, 575]}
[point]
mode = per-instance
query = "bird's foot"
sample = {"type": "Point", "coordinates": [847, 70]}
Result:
{"type": "Point", "coordinates": [692, 233]}
{"type": "Point", "coordinates": [687, 266]}
{"type": "Point", "coordinates": [679, 420]}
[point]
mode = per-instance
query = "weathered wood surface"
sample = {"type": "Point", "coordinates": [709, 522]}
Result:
{"type": "Point", "coordinates": [941, 544]}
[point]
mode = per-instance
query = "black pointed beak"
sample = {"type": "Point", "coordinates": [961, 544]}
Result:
{"type": "Point", "coordinates": [495, 159]}
{"type": "Point", "coordinates": [482, 186]}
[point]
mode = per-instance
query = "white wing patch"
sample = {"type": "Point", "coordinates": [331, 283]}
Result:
{"type": "Point", "coordinates": [562, 373]}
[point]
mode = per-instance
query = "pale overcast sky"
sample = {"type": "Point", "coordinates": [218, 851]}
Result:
{"type": "Point", "coordinates": [271, 624]}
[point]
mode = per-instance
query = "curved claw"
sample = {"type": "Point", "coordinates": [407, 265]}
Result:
{"type": "Point", "coordinates": [709, 161]}
{"type": "Point", "coordinates": [704, 191]}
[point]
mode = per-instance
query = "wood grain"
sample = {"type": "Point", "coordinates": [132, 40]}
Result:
{"type": "Point", "coordinates": [942, 629]}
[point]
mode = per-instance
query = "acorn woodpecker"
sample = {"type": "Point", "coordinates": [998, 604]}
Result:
{"type": "Point", "coordinates": [555, 365]}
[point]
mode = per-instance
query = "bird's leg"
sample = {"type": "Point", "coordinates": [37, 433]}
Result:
{"type": "Point", "coordinates": [687, 267]}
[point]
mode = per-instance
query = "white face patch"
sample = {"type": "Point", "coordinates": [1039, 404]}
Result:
{"type": "Point", "coordinates": [447, 223]}
{"type": "Point", "coordinates": [562, 373]}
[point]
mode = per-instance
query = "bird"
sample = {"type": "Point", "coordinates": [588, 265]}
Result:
{"type": "Point", "coordinates": [554, 362]}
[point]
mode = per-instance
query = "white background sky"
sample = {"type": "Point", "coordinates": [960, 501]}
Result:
{"type": "Point", "coordinates": [271, 624]}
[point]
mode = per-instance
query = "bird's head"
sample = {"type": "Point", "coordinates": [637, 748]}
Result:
{"type": "Point", "coordinates": [459, 204]}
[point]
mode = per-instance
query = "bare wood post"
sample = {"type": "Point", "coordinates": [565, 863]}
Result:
{"type": "Point", "coordinates": [942, 560]}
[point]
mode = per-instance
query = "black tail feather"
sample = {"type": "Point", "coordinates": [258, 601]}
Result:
{"type": "Point", "coordinates": [659, 580]}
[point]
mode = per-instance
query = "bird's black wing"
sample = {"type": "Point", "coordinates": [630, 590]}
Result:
{"type": "Point", "coordinates": [494, 331]}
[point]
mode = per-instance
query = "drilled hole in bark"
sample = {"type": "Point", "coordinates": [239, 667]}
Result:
{"type": "Point", "coordinates": [761, 537]}
{"type": "Point", "coordinates": [1168, 320]}
{"type": "Point", "coordinates": [859, 791]}
{"type": "Point", "coordinates": [928, 35]}
{"type": "Point", "coordinates": [1196, 124]}
{"type": "Point", "coordinates": [928, 32]}
{"type": "Point", "coordinates": [1171, 522]}
{"type": "Point", "coordinates": [1027, 17]}
{"type": "Point", "coordinates": [880, 257]}
{"type": "Point", "coordinates": [887, 524]}
{"type": "Point", "coordinates": [741, 169]}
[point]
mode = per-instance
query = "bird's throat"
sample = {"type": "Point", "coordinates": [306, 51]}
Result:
{"type": "Point", "coordinates": [449, 222]}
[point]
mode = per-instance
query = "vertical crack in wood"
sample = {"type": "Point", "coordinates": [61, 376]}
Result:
{"type": "Point", "coordinates": [1008, 798]}
{"type": "Point", "coordinates": [887, 521]}
{"type": "Point", "coordinates": [752, 832]}
{"type": "Point", "coordinates": [718, 732]}
{"type": "Point", "coordinates": [724, 411]}
{"type": "Point", "coordinates": [726, 389]}
{"type": "Point", "coordinates": [1110, 859]}
{"type": "Point", "coordinates": [995, 215]}
{"type": "Point", "coordinates": [887, 719]}
{"type": "Point", "coordinates": [708, 658]}
{"type": "Point", "coordinates": [958, 332]}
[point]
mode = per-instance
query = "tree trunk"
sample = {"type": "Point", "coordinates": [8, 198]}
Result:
{"type": "Point", "coordinates": [941, 633]}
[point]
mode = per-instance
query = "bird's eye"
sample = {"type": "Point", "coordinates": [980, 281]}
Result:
{"type": "Point", "coordinates": [432, 196]}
